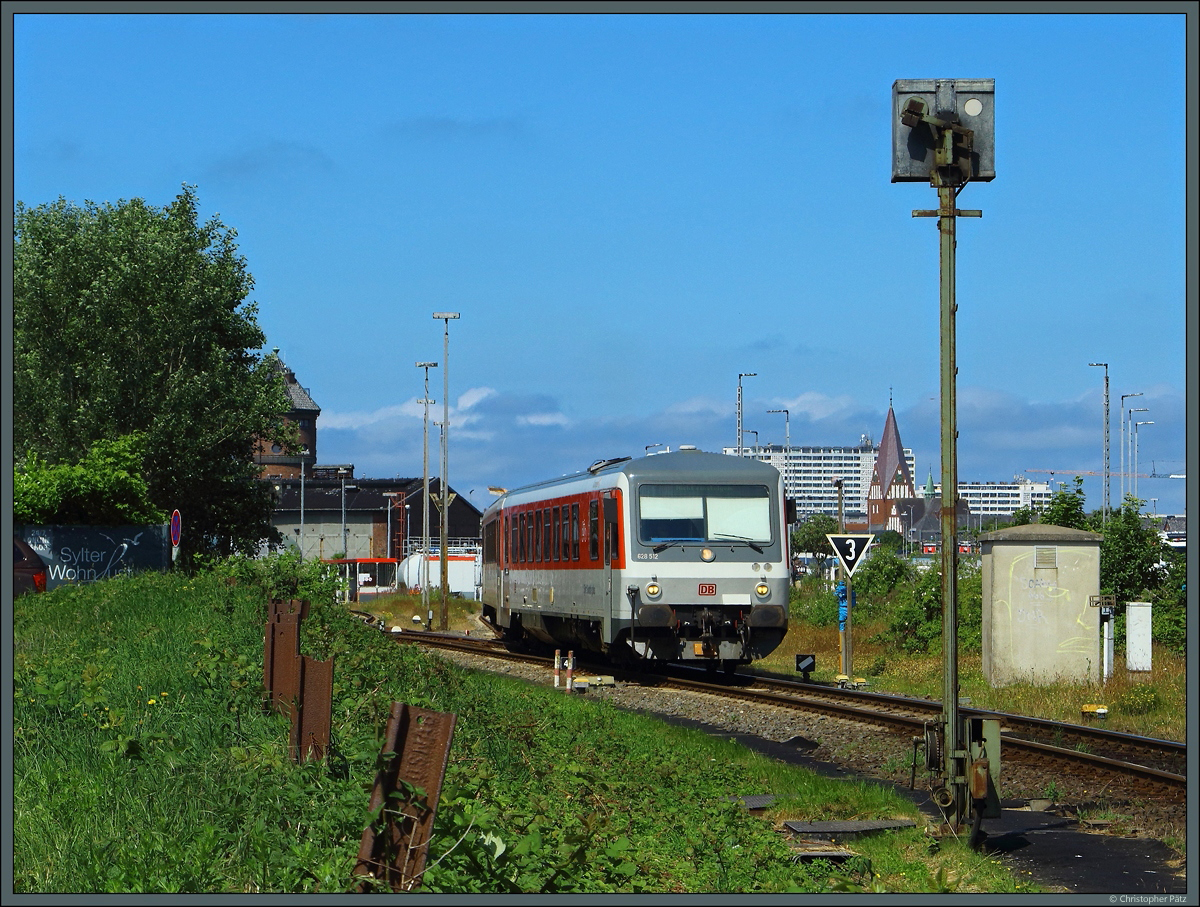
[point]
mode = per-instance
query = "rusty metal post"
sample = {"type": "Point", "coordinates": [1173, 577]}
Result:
{"type": "Point", "coordinates": [312, 721]}
{"type": "Point", "coordinates": [395, 845]}
{"type": "Point", "coordinates": [949, 179]}
{"type": "Point", "coordinates": [281, 661]}
{"type": "Point", "coordinates": [954, 765]}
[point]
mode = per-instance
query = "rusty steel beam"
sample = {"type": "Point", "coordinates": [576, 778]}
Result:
{"type": "Point", "coordinates": [395, 845]}
{"type": "Point", "coordinates": [281, 662]}
{"type": "Point", "coordinates": [312, 726]}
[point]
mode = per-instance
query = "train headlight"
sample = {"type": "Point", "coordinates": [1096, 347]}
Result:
{"type": "Point", "coordinates": [762, 590]}
{"type": "Point", "coordinates": [653, 590]}
{"type": "Point", "coordinates": [707, 555]}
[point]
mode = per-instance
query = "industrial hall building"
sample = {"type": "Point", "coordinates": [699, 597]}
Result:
{"type": "Point", "coordinates": [326, 511]}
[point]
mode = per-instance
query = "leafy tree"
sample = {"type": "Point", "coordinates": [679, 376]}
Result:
{"type": "Point", "coordinates": [1131, 555]}
{"type": "Point", "coordinates": [888, 540]}
{"type": "Point", "coordinates": [130, 319]}
{"type": "Point", "coordinates": [1066, 508]}
{"type": "Point", "coordinates": [1023, 516]}
{"type": "Point", "coordinates": [810, 538]}
{"type": "Point", "coordinates": [104, 488]}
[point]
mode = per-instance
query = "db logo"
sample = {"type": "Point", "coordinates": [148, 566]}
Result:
{"type": "Point", "coordinates": [707, 589]}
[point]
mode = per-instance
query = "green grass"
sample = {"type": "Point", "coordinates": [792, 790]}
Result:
{"type": "Point", "coordinates": [143, 762]}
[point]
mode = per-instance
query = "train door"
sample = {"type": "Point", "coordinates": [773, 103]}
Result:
{"type": "Point", "coordinates": [610, 541]}
{"type": "Point", "coordinates": [507, 553]}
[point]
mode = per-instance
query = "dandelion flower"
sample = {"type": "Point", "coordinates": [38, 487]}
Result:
{"type": "Point", "coordinates": [151, 701]}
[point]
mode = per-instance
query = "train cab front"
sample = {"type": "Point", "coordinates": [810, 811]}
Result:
{"type": "Point", "coordinates": [712, 624]}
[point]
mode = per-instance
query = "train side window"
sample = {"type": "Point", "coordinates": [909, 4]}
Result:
{"type": "Point", "coordinates": [574, 532]}
{"type": "Point", "coordinates": [594, 530]}
{"type": "Point", "coordinates": [547, 535]}
{"type": "Point", "coordinates": [537, 535]}
{"type": "Point", "coordinates": [556, 532]}
{"type": "Point", "coordinates": [513, 546]}
{"type": "Point", "coordinates": [566, 532]}
{"type": "Point", "coordinates": [504, 542]}
{"type": "Point", "coordinates": [524, 548]}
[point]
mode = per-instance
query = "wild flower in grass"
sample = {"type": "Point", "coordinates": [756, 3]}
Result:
{"type": "Point", "coordinates": [151, 701]}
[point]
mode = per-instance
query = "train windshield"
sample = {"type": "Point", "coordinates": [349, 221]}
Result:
{"type": "Point", "coordinates": [704, 513]}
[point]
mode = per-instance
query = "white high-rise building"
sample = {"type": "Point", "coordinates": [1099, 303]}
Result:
{"type": "Point", "coordinates": [1001, 499]}
{"type": "Point", "coordinates": [809, 474]}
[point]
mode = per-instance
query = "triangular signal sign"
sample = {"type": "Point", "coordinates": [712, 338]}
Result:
{"type": "Point", "coordinates": [851, 548]}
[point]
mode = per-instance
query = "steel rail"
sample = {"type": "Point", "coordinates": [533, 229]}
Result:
{"type": "Point", "coordinates": [900, 713]}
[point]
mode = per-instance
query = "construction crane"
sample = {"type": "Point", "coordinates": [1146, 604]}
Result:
{"type": "Point", "coordinates": [1153, 474]}
{"type": "Point", "coordinates": [1086, 472]}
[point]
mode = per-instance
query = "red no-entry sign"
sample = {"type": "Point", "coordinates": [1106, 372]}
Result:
{"type": "Point", "coordinates": [176, 528]}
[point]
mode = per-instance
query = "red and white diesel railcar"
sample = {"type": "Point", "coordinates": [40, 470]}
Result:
{"type": "Point", "coordinates": [673, 557]}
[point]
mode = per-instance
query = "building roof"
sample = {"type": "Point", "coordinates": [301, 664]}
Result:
{"type": "Point", "coordinates": [1040, 532]}
{"type": "Point", "coordinates": [299, 396]}
{"type": "Point", "coordinates": [891, 458]}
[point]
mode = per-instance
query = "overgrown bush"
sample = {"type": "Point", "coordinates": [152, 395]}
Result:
{"type": "Point", "coordinates": [883, 571]}
{"type": "Point", "coordinates": [1169, 615]}
{"type": "Point", "coordinates": [811, 601]}
{"type": "Point", "coordinates": [914, 621]}
{"type": "Point", "coordinates": [283, 575]}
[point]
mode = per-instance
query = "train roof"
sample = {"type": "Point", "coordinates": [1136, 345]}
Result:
{"type": "Point", "coordinates": [698, 466]}
{"type": "Point", "coordinates": [688, 465]}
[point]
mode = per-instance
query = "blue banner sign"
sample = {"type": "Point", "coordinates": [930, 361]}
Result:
{"type": "Point", "coordinates": [84, 554]}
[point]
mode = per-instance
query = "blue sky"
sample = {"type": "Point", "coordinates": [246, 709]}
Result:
{"type": "Point", "coordinates": [631, 210]}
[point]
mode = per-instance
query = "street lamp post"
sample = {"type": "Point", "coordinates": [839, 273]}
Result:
{"type": "Point", "coordinates": [1129, 441]}
{"type": "Point", "coordinates": [787, 431]}
{"type": "Point", "coordinates": [739, 408]}
{"type": "Point", "coordinates": [1123, 396]}
{"type": "Point", "coordinates": [446, 317]}
{"type": "Point", "coordinates": [1135, 456]}
{"type": "Point", "coordinates": [787, 449]}
{"type": "Point", "coordinates": [342, 476]}
{"type": "Point", "coordinates": [391, 496]}
{"type": "Point", "coordinates": [751, 431]}
{"type": "Point", "coordinates": [1104, 365]}
{"type": "Point", "coordinates": [425, 501]}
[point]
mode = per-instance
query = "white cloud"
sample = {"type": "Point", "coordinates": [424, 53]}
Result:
{"type": "Point", "coordinates": [819, 406]}
{"type": "Point", "coordinates": [544, 419]}
{"type": "Point", "coordinates": [357, 419]}
{"type": "Point", "coordinates": [469, 398]}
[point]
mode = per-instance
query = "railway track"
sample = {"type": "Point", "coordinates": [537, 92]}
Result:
{"type": "Point", "coordinates": [1149, 766]}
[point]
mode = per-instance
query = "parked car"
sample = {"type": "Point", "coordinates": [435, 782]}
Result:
{"type": "Point", "coordinates": [29, 570]}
